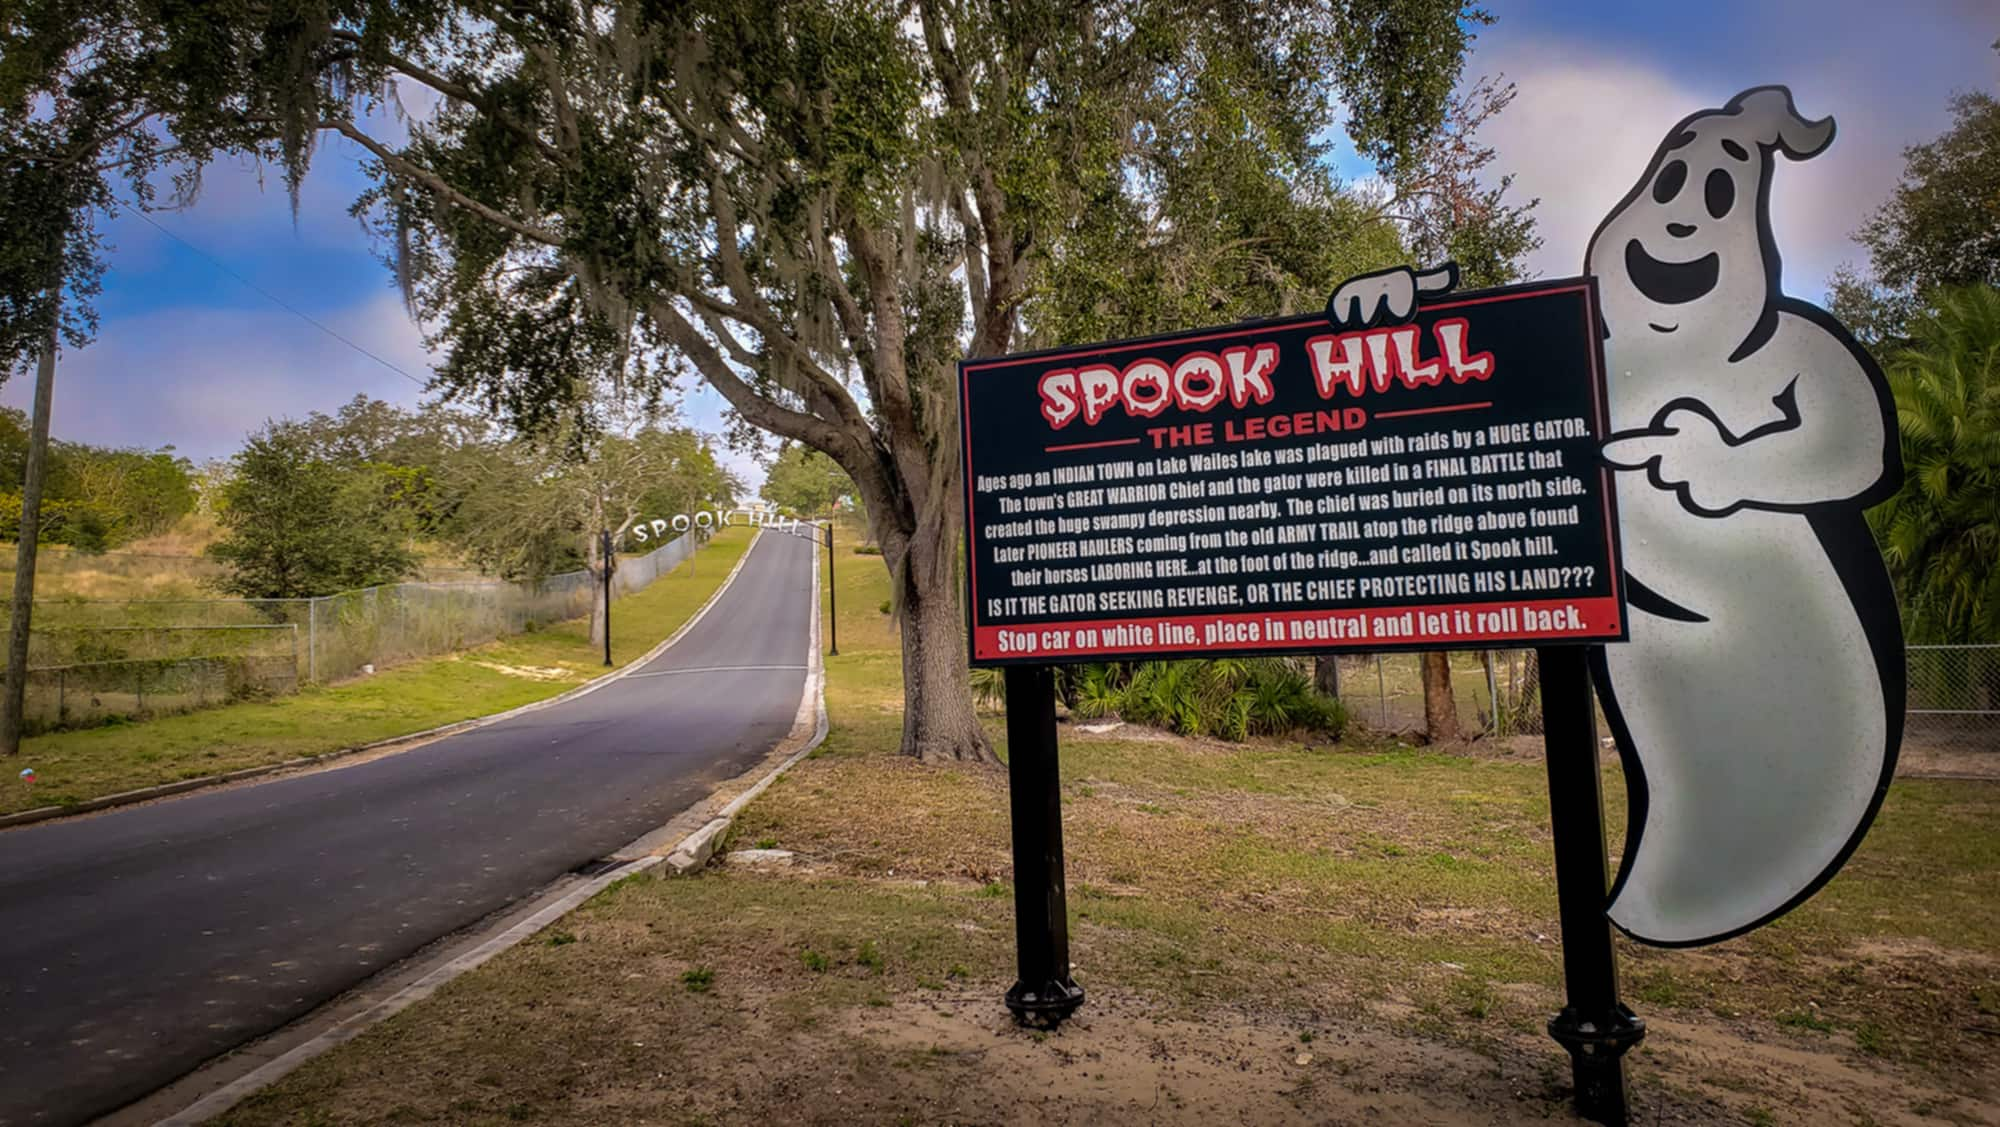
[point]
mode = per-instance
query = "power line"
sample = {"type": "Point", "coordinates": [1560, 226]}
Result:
{"type": "Point", "coordinates": [275, 299]}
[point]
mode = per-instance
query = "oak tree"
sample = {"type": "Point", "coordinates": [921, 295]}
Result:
{"type": "Point", "coordinates": [819, 207]}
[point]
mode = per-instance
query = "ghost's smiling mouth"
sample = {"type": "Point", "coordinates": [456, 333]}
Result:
{"type": "Point", "coordinates": [1670, 283]}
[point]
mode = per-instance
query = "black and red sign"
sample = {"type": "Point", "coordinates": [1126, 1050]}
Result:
{"type": "Point", "coordinates": [1286, 487]}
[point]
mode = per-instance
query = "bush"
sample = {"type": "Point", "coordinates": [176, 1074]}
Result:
{"type": "Point", "coordinates": [1229, 698]}
{"type": "Point", "coordinates": [85, 525]}
{"type": "Point", "coordinates": [989, 688]}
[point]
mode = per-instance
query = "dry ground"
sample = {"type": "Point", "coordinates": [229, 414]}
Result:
{"type": "Point", "coordinates": [1271, 933]}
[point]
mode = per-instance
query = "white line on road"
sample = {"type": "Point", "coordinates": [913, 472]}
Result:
{"type": "Point", "coordinates": [711, 669]}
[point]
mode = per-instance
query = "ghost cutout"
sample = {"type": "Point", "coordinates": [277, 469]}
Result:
{"type": "Point", "coordinates": [1758, 705]}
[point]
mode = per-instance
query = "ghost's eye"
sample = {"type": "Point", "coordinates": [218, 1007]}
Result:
{"type": "Point", "coordinates": [1669, 184]}
{"type": "Point", "coordinates": [1720, 192]}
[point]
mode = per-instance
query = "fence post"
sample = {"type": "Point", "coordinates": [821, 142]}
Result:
{"type": "Point", "coordinates": [62, 698]}
{"type": "Point", "coordinates": [1492, 694]}
{"type": "Point", "coordinates": [1381, 693]}
{"type": "Point", "coordinates": [312, 641]}
{"type": "Point", "coordinates": [139, 678]}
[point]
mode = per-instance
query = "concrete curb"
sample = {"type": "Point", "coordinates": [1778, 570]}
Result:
{"type": "Point", "coordinates": [692, 851]}
{"type": "Point", "coordinates": [165, 790]}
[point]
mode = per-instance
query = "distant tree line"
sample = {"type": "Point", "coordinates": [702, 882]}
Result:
{"type": "Point", "coordinates": [805, 481]}
{"type": "Point", "coordinates": [1931, 313]}
{"type": "Point", "coordinates": [96, 497]}
{"type": "Point", "coordinates": [334, 502]}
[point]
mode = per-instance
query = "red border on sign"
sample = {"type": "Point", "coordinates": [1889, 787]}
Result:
{"type": "Point", "coordinates": [1596, 618]}
{"type": "Point", "coordinates": [1612, 629]}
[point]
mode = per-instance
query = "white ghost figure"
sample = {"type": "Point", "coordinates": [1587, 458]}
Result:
{"type": "Point", "coordinates": [1759, 703]}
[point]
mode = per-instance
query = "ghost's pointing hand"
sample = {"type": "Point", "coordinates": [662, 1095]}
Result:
{"type": "Point", "coordinates": [1686, 452]}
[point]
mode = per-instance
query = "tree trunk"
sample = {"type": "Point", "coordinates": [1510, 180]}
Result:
{"type": "Point", "coordinates": [1440, 710]}
{"type": "Point", "coordinates": [597, 609]}
{"type": "Point", "coordinates": [939, 721]}
{"type": "Point", "coordinates": [1326, 674]}
{"type": "Point", "coordinates": [24, 554]}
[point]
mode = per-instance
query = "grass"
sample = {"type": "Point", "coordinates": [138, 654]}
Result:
{"type": "Point", "coordinates": [75, 766]}
{"type": "Point", "coordinates": [1397, 904]}
{"type": "Point", "coordinates": [167, 566]}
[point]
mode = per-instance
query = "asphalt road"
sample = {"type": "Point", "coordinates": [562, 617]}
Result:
{"type": "Point", "coordinates": [137, 944]}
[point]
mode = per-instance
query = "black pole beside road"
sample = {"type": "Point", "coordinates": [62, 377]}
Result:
{"type": "Point", "coordinates": [606, 556]}
{"type": "Point", "coordinates": [832, 604]}
{"type": "Point", "coordinates": [1594, 1025]}
{"type": "Point", "coordinates": [1045, 994]}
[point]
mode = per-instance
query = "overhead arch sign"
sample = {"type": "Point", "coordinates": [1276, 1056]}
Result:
{"type": "Point", "coordinates": [1290, 486]}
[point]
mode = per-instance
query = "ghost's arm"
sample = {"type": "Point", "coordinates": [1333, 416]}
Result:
{"type": "Point", "coordinates": [1825, 439]}
{"type": "Point", "coordinates": [1818, 433]}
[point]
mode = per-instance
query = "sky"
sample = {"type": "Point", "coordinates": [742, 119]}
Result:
{"type": "Point", "coordinates": [196, 346]}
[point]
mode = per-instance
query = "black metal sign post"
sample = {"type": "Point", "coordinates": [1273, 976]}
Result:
{"type": "Point", "coordinates": [832, 606]}
{"type": "Point", "coordinates": [1594, 1025]}
{"type": "Point", "coordinates": [1044, 995]}
{"type": "Point", "coordinates": [607, 596]}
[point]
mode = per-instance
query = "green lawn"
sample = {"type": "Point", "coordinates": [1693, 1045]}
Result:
{"type": "Point", "coordinates": [75, 766]}
{"type": "Point", "coordinates": [1270, 932]}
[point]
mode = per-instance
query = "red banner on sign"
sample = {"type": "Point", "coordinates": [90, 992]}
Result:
{"type": "Point", "coordinates": [1431, 626]}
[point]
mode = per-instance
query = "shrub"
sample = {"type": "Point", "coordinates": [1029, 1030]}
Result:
{"type": "Point", "coordinates": [989, 688]}
{"type": "Point", "coordinates": [1229, 698]}
{"type": "Point", "coordinates": [1094, 692]}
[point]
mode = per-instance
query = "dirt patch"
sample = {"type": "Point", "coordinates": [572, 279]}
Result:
{"type": "Point", "coordinates": [1123, 1062]}
{"type": "Point", "coordinates": [1791, 1084]}
{"type": "Point", "coordinates": [1918, 760]}
{"type": "Point", "coordinates": [531, 672]}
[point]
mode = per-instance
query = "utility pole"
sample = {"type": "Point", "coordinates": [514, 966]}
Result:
{"type": "Point", "coordinates": [31, 519]}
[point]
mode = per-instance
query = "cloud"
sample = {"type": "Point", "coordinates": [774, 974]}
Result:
{"type": "Point", "coordinates": [1588, 118]}
{"type": "Point", "coordinates": [201, 379]}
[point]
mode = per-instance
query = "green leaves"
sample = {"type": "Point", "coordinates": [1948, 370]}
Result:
{"type": "Point", "coordinates": [1941, 532]}
{"type": "Point", "coordinates": [1228, 698]}
{"type": "Point", "coordinates": [299, 524]}
{"type": "Point", "coordinates": [1941, 226]}
{"type": "Point", "coordinates": [805, 481]}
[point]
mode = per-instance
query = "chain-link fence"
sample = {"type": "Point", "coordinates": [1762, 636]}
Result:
{"type": "Point", "coordinates": [93, 692]}
{"type": "Point", "coordinates": [1954, 698]}
{"type": "Point", "coordinates": [90, 661]}
{"type": "Point", "coordinates": [1954, 694]}
{"type": "Point", "coordinates": [1494, 691]}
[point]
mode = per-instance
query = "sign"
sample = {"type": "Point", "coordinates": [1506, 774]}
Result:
{"type": "Point", "coordinates": [658, 527]}
{"type": "Point", "coordinates": [1289, 486]}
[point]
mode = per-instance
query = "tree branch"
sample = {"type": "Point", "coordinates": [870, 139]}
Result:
{"type": "Point", "coordinates": [759, 409]}
{"type": "Point", "coordinates": [457, 91]}
{"type": "Point", "coordinates": [436, 185]}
